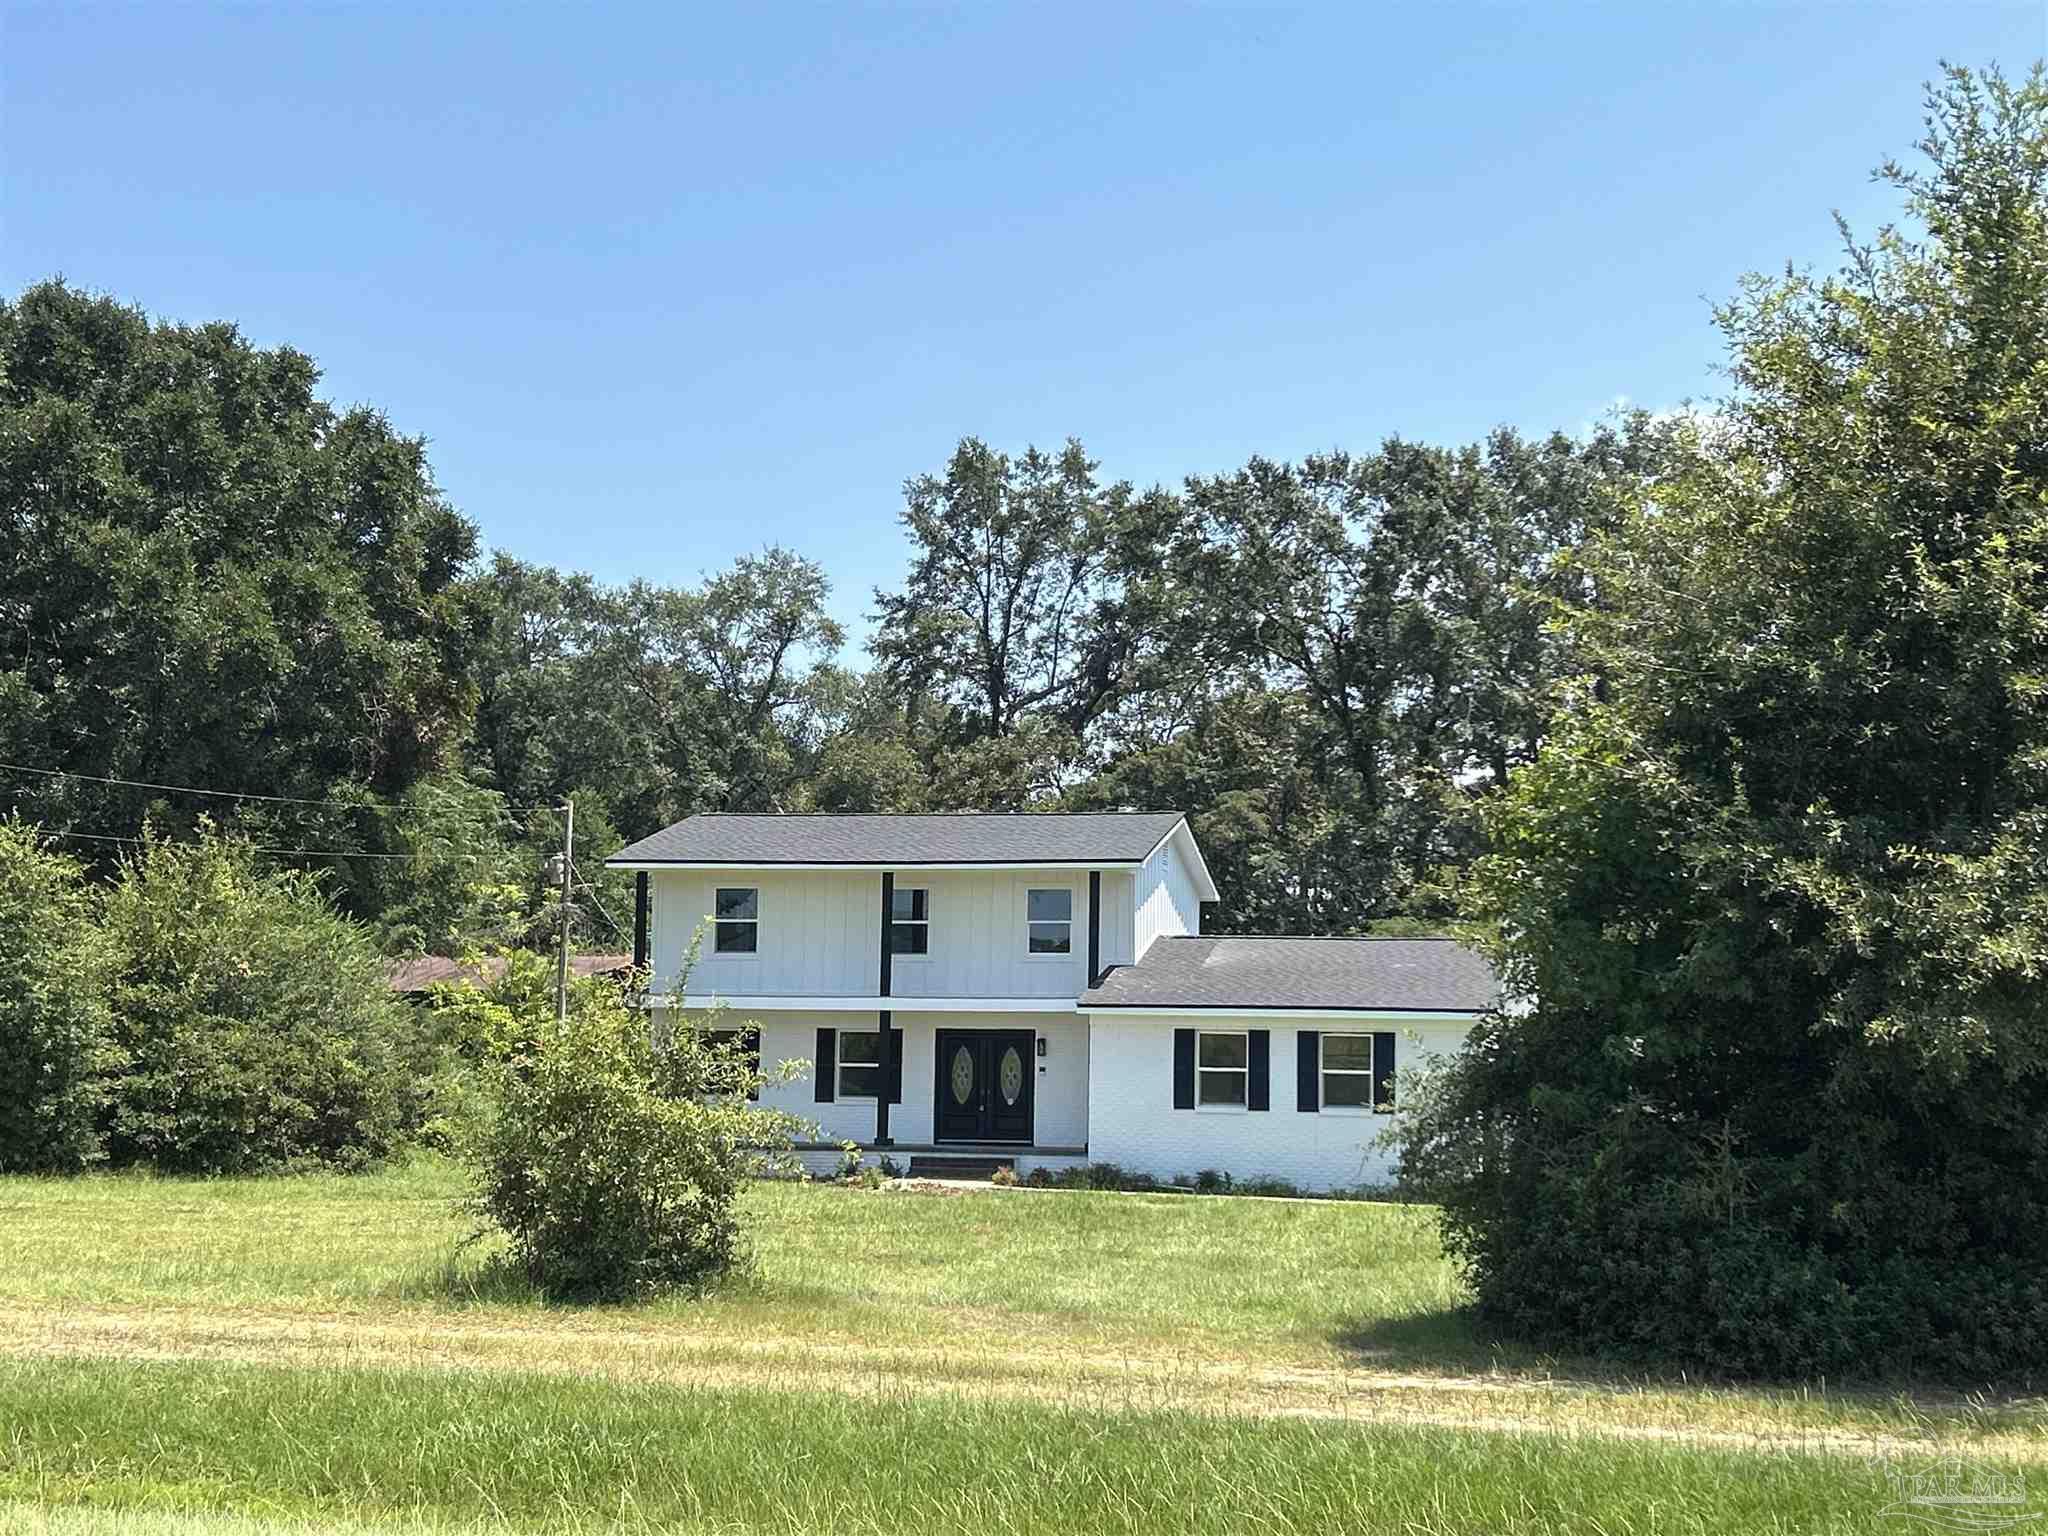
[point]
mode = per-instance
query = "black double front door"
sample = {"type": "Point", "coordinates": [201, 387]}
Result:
{"type": "Point", "coordinates": [984, 1087]}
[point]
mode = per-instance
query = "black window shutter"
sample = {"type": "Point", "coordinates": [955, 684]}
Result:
{"type": "Point", "coordinates": [751, 1039]}
{"type": "Point", "coordinates": [1258, 1088]}
{"type": "Point", "coordinates": [895, 1066]}
{"type": "Point", "coordinates": [828, 1064]}
{"type": "Point", "coordinates": [1183, 1069]}
{"type": "Point", "coordinates": [1308, 1071]}
{"type": "Point", "coordinates": [1382, 1071]}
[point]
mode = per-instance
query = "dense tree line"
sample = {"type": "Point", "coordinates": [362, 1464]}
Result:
{"type": "Point", "coordinates": [210, 577]}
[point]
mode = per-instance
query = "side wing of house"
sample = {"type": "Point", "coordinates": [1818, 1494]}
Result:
{"type": "Point", "coordinates": [1271, 1057]}
{"type": "Point", "coordinates": [1255, 1095]}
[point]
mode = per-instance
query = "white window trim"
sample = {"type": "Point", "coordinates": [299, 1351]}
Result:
{"type": "Point", "coordinates": [1324, 1072]}
{"type": "Point", "coordinates": [1242, 1106]}
{"type": "Point", "coordinates": [896, 955]}
{"type": "Point", "coordinates": [1066, 956]}
{"type": "Point", "coordinates": [840, 1064]}
{"type": "Point", "coordinates": [735, 954]}
{"type": "Point", "coordinates": [1370, 1106]}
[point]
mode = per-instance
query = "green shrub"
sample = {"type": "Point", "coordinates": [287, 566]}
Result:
{"type": "Point", "coordinates": [55, 1031]}
{"type": "Point", "coordinates": [257, 1030]}
{"type": "Point", "coordinates": [1090, 1176]}
{"type": "Point", "coordinates": [460, 1027]}
{"type": "Point", "coordinates": [1775, 891]}
{"type": "Point", "coordinates": [614, 1161]}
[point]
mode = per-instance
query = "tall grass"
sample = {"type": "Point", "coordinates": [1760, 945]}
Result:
{"type": "Point", "coordinates": [520, 1453]}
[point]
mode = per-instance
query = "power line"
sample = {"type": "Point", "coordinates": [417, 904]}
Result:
{"type": "Point", "coordinates": [310, 853]}
{"type": "Point", "coordinates": [241, 794]}
{"type": "Point", "coordinates": [598, 900]}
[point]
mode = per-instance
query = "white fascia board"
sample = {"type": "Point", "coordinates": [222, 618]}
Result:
{"type": "Point", "coordinates": [801, 1004]}
{"type": "Point", "coordinates": [1428, 1015]}
{"type": "Point", "coordinates": [1063, 865]}
{"type": "Point", "coordinates": [1205, 884]}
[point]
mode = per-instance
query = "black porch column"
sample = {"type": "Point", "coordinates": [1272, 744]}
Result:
{"type": "Point", "coordinates": [888, 1050]}
{"type": "Point", "coordinates": [1094, 926]}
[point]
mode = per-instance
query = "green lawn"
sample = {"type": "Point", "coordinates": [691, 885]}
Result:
{"type": "Point", "coordinates": [1206, 1275]}
{"type": "Point", "coordinates": [249, 1357]}
{"type": "Point", "coordinates": [401, 1451]}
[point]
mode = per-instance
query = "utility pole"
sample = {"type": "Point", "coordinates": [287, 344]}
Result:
{"type": "Point", "coordinates": [568, 874]}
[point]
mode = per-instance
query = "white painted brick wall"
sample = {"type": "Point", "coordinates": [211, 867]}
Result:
{"type": "Point", "coordinates": [1133, 1122]}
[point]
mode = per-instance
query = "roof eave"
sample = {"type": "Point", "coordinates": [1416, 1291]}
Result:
{"type": "Point", "coordinates": [1271, 1011]}
{"type": "Point", "coordinates": [618, 861]}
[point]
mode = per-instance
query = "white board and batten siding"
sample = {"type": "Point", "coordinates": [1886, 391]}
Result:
{"type": "Point", "coordinates": [1135, 1124]}
{"type": "Point", "coordinates": [819, 933]}
{"type": "Point", "coordinates": [1167, 901]}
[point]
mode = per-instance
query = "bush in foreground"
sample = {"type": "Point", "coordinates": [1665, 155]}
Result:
{"type": "Point", "coordinates": [613, 1159]}
{"type": "Point", "coordinates": [257, 1029]}
{"type": "Point", "coordinates": [54, 1026]}
{"type": "Point", "coordinates": [1777, 888]}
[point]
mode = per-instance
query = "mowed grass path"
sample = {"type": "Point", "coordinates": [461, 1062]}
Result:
{"type": "Point", "coordinates": [185, 1358]}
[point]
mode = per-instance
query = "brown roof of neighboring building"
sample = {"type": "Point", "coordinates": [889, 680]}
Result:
{"type": "Point", "coordinates": [424, 971]}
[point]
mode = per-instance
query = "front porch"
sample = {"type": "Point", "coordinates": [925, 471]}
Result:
{"type": "Point", "coordinates": [944, 1159]}
{"type": "Point", "coordinates": [958, 1083]}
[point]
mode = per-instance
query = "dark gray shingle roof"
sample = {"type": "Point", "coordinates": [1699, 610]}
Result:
{"type": "Point", "coordinates": [1428, 975]}
{"type": "Point", "coordinates": [1123, 837]}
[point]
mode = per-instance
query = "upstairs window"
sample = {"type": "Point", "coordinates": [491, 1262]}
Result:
{"type": "Point", "coordinates": [737, 913]}
{"type": "Point", "coordinates": [1223, 1068]}
{"type": "Point", "coordinates": [1050, 914]}
{"type": "Point", "coordinates": [910, 923]}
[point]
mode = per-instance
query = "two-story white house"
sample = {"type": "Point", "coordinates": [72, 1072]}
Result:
{"type": "Point", "coordinates": [1036, 990]}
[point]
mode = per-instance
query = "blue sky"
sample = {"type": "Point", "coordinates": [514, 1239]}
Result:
{"type": "Point", "coordinates": [663, 285]}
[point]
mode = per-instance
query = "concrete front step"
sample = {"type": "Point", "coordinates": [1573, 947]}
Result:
{"type": "Point", "coordinates": [942, 1167]}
